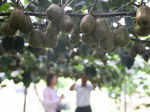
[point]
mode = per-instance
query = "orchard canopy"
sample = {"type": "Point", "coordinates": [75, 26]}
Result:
{"type": "Point", "coordinates": [99, 38]}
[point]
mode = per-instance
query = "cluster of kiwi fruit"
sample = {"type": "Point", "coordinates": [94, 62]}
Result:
{"type": "Point", "coordinates": [58, 21]}
{"type": "Point", "coordinates": [142, 27]}
{"type": "Point", "coordinates": [16, 21]}
{"type": "Point", "coordinates": [98, 33]}
{"type": "Point", "coordinates": [11, 45]}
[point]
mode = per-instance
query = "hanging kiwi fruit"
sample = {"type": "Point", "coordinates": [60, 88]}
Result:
{"type": "Point", "coordinates": [121, 36]}
{"type": "Point", "coordinates": [17, 18]}
{"type": "Point", "coordinates": [108, 44]}
{"type": "Point", "coordinates": [142, 31]}
{"type": "Point", "coordinates": [50, 39]}
{"type": "Point", "coordinates": [90, 40]}
{"type": "Point", "coordinates": [52, 30]}
{"type": "Point", "coordinates": [87, 24]}
{"type": "Point", "coordinates": [142, 27]}
{"type": "Point", "coordinates": [36, 38]}
{"type": "Point", "coordinates": [103, 29]}
{"type": "Point", "coordinates": [66, 24]}
{"type": "Point", "coordinates": [27, 25]}
{"type": "Point", "coordinates": [6, 29]}
{"type": "Point", "coordinates": [143, 16]}
{"type": "Point", "coordinates": [55, 13]}
{"type": "Point", "coordinates": [104, 34]}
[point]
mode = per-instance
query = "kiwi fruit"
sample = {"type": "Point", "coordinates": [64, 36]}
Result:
{"type": "Point", "coordinates": [6, 29]}
{"type": "Point", "coordinates": [66, 24]}
{"type": "Point", "coordinates": [108, 44]}
{"type": "Point", "coordinates": [27, 25]}
{"type": "Point", "coordinates": [50, 39]}
{"type": "Point", "coordinates": [52, 30]}
{"type": "Point", "coordinates": [55, 13]}
{"type": "Point", "coordinates": [50, 42]}
{"type": "Point", "coordinates": [143, 16]}
{"type": "Point", "coordinates": [90, 40]}
{"type": "Point", "coordinates": [121, 36]}
{"type": "Point", "coordinates": [36, 38]}
{"type": "Point", "coordinates": [142, 31]}
{"type": "Point", "coordinates": [104, 34]}
{"type": "Point", "coordinates": [87, 24]}
{"type": "Point", "coordinates": [132, 52]}
{"type": "Point", "coordinates": [17, 18]}
{"type": "Point", "coordinates": [103, 30]}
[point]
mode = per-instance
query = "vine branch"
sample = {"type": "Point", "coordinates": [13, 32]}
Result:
{"type": "Point", "coordinates": [109, 14]}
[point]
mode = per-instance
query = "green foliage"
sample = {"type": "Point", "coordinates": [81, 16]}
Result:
{"type": "Point", "coordinates": [71, 57]}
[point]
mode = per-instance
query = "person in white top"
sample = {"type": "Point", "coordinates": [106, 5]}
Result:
{"type": "Point", "coordinates": [83, 94]}
{"type": "Point", "coordinates": [51, 100]}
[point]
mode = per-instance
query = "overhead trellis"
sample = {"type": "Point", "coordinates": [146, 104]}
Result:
{"type": "Point", "coordinates": [109, 14]}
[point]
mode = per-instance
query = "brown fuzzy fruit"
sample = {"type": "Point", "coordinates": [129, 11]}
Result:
{"type": "Point", "coordinates": [66, 24]}
{"type": "Point", "coordinates": [17, 18]}
{"type": "Point", "coordinates": [36, 38]}
{"type": "Point", "coordinates": [91, 41]}
{"type": "Point", "coordinates": [27, 25]}
{"type": "Point", "coordinates": [142, 31]}
{"type": "Point", "coordinates": [50, 40]}
{"type": "Point", "coordinates": [121, 36]}
{"type": "Point", "coordinates": [52, 30]}
{"type": "Point", "coordinates": [104, 34]}
{"type": "Point", "coordinates": [55, 13]}
{"type": "Point", "coordinates": [87, 24]}
{"type": "Point", "coordinates": [143, 17]}
{"type": "Point", "coordinates": [103, 30]}
{"type": "Point", "coordinates": [6, 29]}
{"type": "Point", "coordinates": [108, 44]}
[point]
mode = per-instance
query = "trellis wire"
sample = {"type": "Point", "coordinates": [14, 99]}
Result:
{"type": "Point", "coordinates": [109, 14]}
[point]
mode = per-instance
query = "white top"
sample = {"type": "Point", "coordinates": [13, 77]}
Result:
{"type": "Point", "coordinates": [83, 94]}
{"type": "Point", "coordinates": [51, 100]}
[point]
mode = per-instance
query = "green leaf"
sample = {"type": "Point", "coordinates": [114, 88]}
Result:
{"type": "Point", "coordinates": [5, 7]}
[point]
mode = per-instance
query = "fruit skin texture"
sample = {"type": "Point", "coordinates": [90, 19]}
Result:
{"type": "Point", "coordinates": [17, 18]}
{"type": "Point", "coordinates": [103, 29]}
{"type": "Point", "coordinates": [121, 36]}
{"type": "Point", "coordinates": [55, 13]}
{"type": "Point", "coordinates": [143, 16]}
{"type": "Point", "coordinates": [50, 39]}
{"type": "Point", "coordinates": [66, 24]}
{"type": "Point", "coordinates": [142, 31]}
{"type": "Point", "coordinates": [104, 34]}
{"type": "Point", "coordinates": [36, 38]}
{"type": "Point", "coordinates": [27, 25]}
{"type": "Point", "coordinates": [88, 24]}
{"type": "Point", "coordinates": [6, 29]}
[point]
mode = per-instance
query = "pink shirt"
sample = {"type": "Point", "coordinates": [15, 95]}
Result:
{"type": "Point", "coordinates": [51, 100]}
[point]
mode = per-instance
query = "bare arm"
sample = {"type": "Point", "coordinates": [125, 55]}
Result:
{"type": "Point", "coordinates": [94, 86]}
{"type": "Point", "coordinates": [72, 87]}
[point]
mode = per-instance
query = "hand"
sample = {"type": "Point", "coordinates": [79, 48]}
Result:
{"type": "Point", "coordinates": [94, 86]}
{"type": "Point", "coordinates": [62, 97]}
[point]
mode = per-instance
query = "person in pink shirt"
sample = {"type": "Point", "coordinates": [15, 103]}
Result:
{"type": "Point", "coordinates": [51, 99]}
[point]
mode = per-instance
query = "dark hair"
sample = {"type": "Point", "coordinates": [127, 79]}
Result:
{"type": "Point", "coordinates": [49, 79]}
